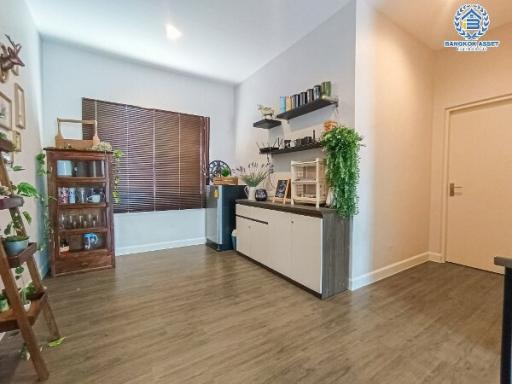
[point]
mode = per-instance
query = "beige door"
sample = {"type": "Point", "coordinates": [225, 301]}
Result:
{"type": "Point", "coordinates": [479, 224]}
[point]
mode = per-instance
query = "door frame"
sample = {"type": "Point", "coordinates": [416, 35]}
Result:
{"type": "Point", "coordinates": [446, 162]}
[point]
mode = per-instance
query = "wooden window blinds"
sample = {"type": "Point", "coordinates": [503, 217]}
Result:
{"type": "Point", "coordinates": [166, 154]}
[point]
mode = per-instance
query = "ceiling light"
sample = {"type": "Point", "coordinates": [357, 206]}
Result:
{"type": "Point", "coordinates": [173, 33]}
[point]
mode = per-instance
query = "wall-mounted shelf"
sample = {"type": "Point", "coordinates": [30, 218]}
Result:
{"type": "Point", "coordinates": [267, 124]}
{"type": "Point", "coordinates": [292, 149]}
{"type": "Point", "coordinates": [307, 108]}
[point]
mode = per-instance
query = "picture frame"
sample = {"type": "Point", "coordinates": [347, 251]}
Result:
{"type": "Point", "coordinates": [283, 191]}
{"type": "Point", "coordinates": [16, 140]}
{"type": "Point", "coordinates": [19, 106]}
{"type": "Point", "coordinates": [5, 112]}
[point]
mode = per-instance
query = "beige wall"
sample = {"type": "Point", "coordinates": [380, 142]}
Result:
{"type": "Point", "coordinates": [463, 78]}
{"type": "Point", "coordinates": [394, 91]}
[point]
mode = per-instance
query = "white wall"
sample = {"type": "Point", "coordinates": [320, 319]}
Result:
{"type": "Point", "coordinates": [70, 73]}
{"type": "Point", "coordinates": [462, 78]}
{"type": "Point", "coordinates": [16, 21]}
{"type": "Point", "coordinates": [394, 91]}
{"type": "Point", "coordinates": [327, 53]}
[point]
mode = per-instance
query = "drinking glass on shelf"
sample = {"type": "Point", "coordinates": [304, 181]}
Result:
{"type": "Point", "coordinates": [81, 195]}
{"type": "Point", "coordinates": [62, 221]}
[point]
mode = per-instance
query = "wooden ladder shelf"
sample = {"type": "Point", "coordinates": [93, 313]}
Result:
{"type": "Point", "coordinates": [16, 317]}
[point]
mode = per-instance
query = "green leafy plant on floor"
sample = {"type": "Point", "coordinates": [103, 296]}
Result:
{"type": "Point", "coordinates": [341, 146]}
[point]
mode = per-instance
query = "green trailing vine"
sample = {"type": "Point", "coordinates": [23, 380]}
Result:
{"type": "Point", "coordinates": [341, 145]}
{"type": "Point", "coordinates": [44, 201]}
{"type": "Point", "coordinates": [117, 154]}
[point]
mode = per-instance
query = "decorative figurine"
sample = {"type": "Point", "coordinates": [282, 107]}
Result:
{"type": "Point", "coordinates": [266, 112]}
{"type": "Point", "coordinates": [9, 60]}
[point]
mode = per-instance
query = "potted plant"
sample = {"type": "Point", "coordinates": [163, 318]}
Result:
{"type": "Point", "coordinates": [253, 176]}
{"type": "Point", "coordinates": [225, 177]}
{"type": "Point", "coordinates": [31, 292]}
{"type": "Point", "coordinates": [23, 291]}
{"type": "Point", "coordinates": [4, 303]}
{"type": "Point", "coordinates": [341, 146]}
{"type": "Point", "coordinates": [16, 240]}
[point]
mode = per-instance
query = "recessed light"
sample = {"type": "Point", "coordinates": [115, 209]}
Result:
{"type": "Point", "coordinates": [173, 33]}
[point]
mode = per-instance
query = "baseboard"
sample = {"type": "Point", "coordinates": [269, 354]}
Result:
{"type": "Point", "coordinates": [158, 246]}
{"type": "Point", "coordinates": [435, 257]}
{"type": "Point", "coordinates": [390, 270]}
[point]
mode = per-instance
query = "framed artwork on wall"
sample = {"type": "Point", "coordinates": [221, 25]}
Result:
{"type": "Point", "coordinates": [5, 112]}
{"type": "Point", "coordinates": [16, 140]}
{"type": "Point", "coordinates": [19, 106]}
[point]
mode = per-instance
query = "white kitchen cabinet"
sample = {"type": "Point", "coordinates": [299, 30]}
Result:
{"type": "Point", "coordinates": [252, 239]}
{"type": "Point", "coordinates": [243, 236]}
{"type": "Point", "coordinates": [260, 242]}
{"type": "Point", "coordinates": [306, 251]}
{"type": "Point", "coordinates": [304, 244]}
{"type": "Point", "coordinates": [280, 236]}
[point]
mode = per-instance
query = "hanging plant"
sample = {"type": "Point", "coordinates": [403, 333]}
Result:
{"type": "Point", "coordinates": [117, 155]}
{"type": "Point", "coordinates": [341, 146]}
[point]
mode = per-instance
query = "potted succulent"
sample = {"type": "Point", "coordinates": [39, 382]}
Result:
{"type": "Point", "coordinates": [225, 178]}
{"type": "Point", "coordinates": [253, 176]}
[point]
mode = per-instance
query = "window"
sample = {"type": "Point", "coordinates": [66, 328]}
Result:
{"type": "Point", "coordinates": [166, 154]}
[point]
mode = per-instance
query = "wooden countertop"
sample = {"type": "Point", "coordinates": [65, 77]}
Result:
{"type": "Point", "coordinates": [300, 209]}
{"type": "Point", "coordinates": [503, 261]}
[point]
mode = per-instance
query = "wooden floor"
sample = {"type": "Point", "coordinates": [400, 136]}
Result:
{"type": "Point", "coordinates": [195, 316]}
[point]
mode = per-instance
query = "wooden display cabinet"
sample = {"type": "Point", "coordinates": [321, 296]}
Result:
{"type": "Point", "coordinates": [81, 213]}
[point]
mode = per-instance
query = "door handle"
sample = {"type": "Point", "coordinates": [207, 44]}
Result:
{"type": "Point", "coordinates": [453, 188]}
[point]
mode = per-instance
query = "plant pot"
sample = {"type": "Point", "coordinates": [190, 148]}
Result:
{"type": "Point", "coordinates": [261, 195]}
{"type": "Point", "coordinates": [14, 247]}
{"type": "Point", "coordinates": [4, 305]}
{"type": "Point", "coordinates": [251, 193]}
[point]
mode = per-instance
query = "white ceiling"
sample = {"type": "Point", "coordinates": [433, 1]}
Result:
{"type": "Point", "coordinates": [431, 21]}
{"type": "Point", "coordinates": [222, 39]}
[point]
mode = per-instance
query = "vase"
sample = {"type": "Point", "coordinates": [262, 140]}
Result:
{"type": "Point", "coordinates": [261, 195]}
{"type": "Point", "coordinates": [14, 247]}
{"type": "Point", "coordinates": [251, 193]}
